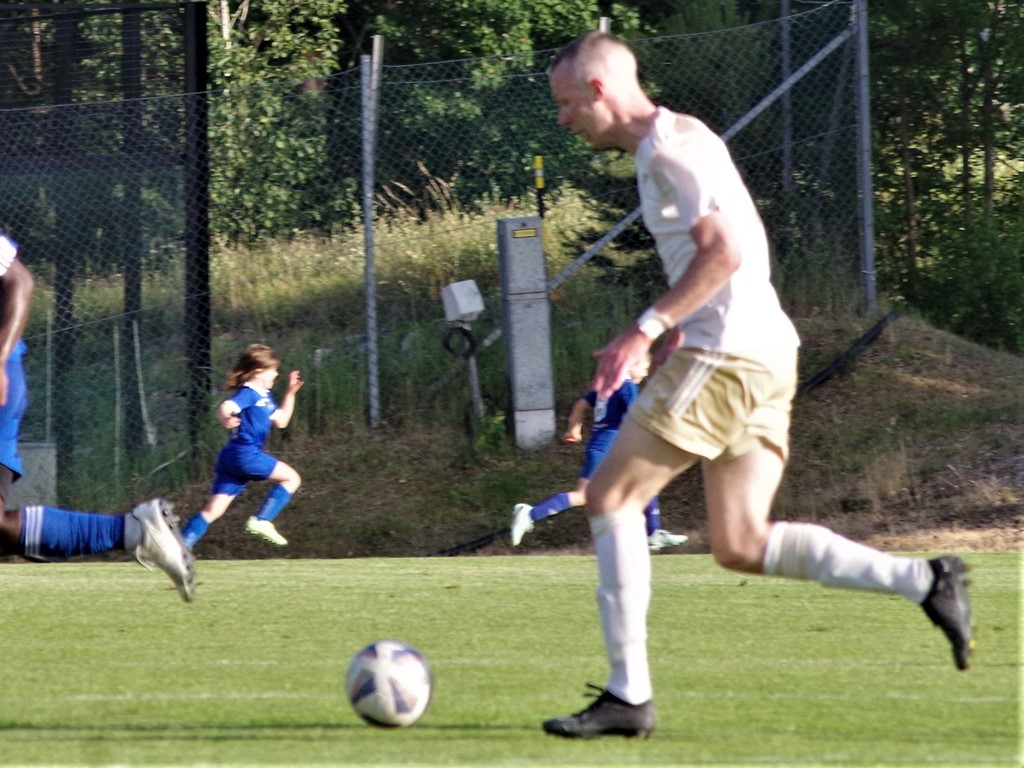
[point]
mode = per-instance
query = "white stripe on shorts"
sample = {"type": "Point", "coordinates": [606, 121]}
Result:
{"type": "Point", "coordinates": [704, 366]}
{"type": "Point", "coordinates": [32, 528]}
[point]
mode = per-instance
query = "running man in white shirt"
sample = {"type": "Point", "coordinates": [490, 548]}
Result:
{"type": "Point", "coordinates": [720, 395]}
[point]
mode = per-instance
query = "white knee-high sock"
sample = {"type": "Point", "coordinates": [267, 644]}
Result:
{"type": "Point", "coordinates": [623, 596]}
{"type": "Point", "coordinates": [812, 552]}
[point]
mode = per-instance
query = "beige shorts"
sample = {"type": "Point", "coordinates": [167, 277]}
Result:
{"type": "Point", "coordinates": [719, 406]}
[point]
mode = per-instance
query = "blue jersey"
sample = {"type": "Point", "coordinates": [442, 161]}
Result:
{"type": "Point", "coordinates": [255, 407]}
{"type": "Point", "coordinates": [608, 416]}
{"type": "Point", "coordinates": [242, 459]}
{"type": "Point", "coordinates": [609, 413]}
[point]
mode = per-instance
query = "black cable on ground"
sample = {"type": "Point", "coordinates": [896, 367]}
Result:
{"type": "Point", "coordinates": [844, 359]}
{"type": "Point", "coordinates": [475, 544]}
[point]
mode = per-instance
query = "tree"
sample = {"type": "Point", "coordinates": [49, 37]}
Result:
{"type": "Point", "coordinates": [280, 95]}
{"type": "Point", "coordinates": [945, 111]}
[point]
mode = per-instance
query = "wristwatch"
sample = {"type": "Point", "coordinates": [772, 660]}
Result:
{"type": "Point", "coordinates": [653, 323]}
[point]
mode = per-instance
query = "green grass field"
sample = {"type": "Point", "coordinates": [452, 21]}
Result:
{"type": "Point", "coordinates": [102, 664]}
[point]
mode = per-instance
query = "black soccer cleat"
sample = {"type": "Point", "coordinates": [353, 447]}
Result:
{"type": "Point", "coordinates": [949, 607]}
{"type": "Point", "coordinates": [608, 715]}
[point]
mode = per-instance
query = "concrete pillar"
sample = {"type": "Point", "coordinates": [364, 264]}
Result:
{"type": "Point", "coordinates": [527, 319]}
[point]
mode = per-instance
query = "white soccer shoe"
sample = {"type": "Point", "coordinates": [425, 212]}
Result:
{"type": "Point", "coordinates": [163, 547]}
{"type": "Point", "coordinates": [521, 523]}
{"type": "Point", "coordinates": [661, 538]}
{"type": "Point", "coordinates": [265, 530]}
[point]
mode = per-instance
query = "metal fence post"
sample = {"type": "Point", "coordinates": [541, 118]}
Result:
{"type": "Point", "coordinates": [133, 246]}
{"type": "Point", "coordinates": [867, 211]}
{"type": "Point", "coordinates": [197, 221]}
{"type": "Point", "coordinates": [370, 81]}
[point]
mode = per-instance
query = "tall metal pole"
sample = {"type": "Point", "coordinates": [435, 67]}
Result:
{"type": "Point", "coordinates": [132, 248]}
{"type": "Point", "coordinates": [197, 221]}
{"type": "Point", "coordinates": [864, 185]}
{"type": "Point", "coordinates": [784, 237]}
{"type": "Point", "coordinates": [370, 80]}
{"type": "Point", "coordinates": [787, 99]}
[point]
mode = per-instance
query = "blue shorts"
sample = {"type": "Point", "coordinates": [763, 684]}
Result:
{"type": "Point", "coordinates": [597, 448]}
{"type": "Point", "coordinates": [238, 465]}
{"type": "Point", "coordinates": [12, 413]}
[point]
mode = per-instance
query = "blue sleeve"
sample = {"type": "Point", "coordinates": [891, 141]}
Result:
{"type": "Point", "coordinates": [628, 392]}
{"type": "Point", "coordinates": [245, 397]}
{"type": "Point", "coordinates": [590, 397]}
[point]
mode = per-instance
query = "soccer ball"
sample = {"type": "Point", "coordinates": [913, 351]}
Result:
{"type": "Point", "coordinates": [389, 684]}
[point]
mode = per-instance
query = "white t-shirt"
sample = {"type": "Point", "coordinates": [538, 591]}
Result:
{"type": "Point", "coordinates": [684, 172]}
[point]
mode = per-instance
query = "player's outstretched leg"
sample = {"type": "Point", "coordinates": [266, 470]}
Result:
{"type": "Point", "coordinates": [262, 523]}
{"type": "Point", "coordinates": [163, 547]}
{"type": "Point", "coordinates": [608, 715]}
{"type": "Point", "coordinates": [949, 607]}
{"type": "Point", "coordinates": [939, 586]}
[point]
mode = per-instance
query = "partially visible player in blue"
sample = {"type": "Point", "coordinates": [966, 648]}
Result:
{"type": "Point", "coordinates": [608, 416]}
{"type": "Point", "coordinates": [45, 533]}
{"type": "Point", "coordinates": [250, 413]}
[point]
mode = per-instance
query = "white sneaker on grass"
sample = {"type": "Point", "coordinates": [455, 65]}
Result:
{"type": "Point", "coordinates": [265, 530]}
{"type": "Point", "coordinates": [163, 547]}
{"type": "Point", "coordinates": [661, 538]}
{"type": "Point", "coordinates": [521, 523]}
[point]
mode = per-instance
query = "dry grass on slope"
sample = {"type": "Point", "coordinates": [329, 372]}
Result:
{"type": "Point", "coordinates": [917, 445]}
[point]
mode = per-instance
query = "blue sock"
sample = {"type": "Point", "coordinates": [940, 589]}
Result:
{"type": "Point", "coordinates": [652, 514]}
{"type": "Point", "coordinates": [550, 506]}
{"type": "Point", "coordinates": [50, 532]}
{"type": "Point", "coordinates": [194, 530]}
{"type": "Point", "coordinates": [273, 503]}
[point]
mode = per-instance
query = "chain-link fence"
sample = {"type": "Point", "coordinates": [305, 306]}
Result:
{"type": "Point", "coordinates": [100, 181]}
{"type": "Point", "coordinates": [462, 135]}
{"type": "Point", "coordinates": [94, 170]}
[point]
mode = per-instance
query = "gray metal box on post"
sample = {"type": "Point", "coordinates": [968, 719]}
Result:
{"type": "Point", "coordinates": [527, 318]}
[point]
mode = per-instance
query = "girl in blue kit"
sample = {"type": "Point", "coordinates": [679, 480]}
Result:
{"type": "Point", "coordinates": [608, 415]}
{"type": "Point", "coordinates": [250, 413]}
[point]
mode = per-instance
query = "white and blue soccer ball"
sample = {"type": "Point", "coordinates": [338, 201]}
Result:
{"type": "Point", "coordinates": [389, 684]}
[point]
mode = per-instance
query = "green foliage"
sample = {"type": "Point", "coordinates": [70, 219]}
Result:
{"type": "Point", "coordinates": [487, 438]}
{"type": "Point", "coordinates": [689, 16]}
{"type": "Point", "coordinates": [439, 30]}
{"type": "Point", "coordinates": [268, 171]}
{"type": "Point", "coordinates": [818, 280]}
{"type": "Point", "coordinates": [493, 435]}
{"type": "Point", "coordinates": [279, 38]}
{"type": "Point", "coordinates": [276, 98]}
{"type": "Point", "coordinates": [269, 114]}
{"type": "Point", "coordinates": [947, 178]}
{"type": "Point", "coordinates": [975, 287]}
